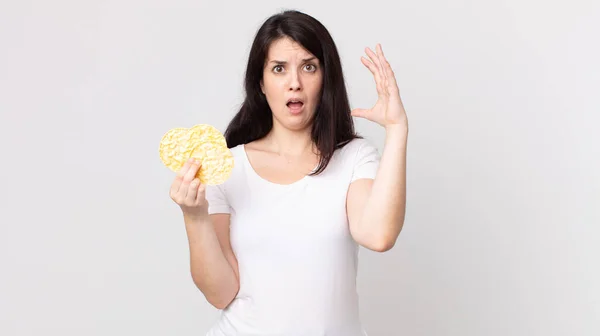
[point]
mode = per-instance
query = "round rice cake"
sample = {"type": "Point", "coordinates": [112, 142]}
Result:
{"type": "Point", "coordinates": [216, 162]}
{"type": "Point", "coordinates": [207, 133]}
{"type": "Point", "coordinates": [203, 142]}
{"type": "Point", "coordinates": [174, 148]}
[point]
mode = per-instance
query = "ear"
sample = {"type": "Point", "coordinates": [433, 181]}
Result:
{"type": "Point", "coordinates": [262, 87]}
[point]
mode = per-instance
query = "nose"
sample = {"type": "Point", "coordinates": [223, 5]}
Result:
{"type": "Point", "coordinates": [294, 81]}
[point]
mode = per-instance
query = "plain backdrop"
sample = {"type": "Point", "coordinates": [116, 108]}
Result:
{"type": "Point", "coordinates": [502, 224]}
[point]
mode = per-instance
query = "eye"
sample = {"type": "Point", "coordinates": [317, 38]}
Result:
{"type": "Point", "coordinates": [311, 67]}
{"type": "Point", "coordinates": [277, 67]}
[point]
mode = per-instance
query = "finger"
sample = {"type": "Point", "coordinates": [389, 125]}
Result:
{"type": "Point", "coordinates": [201, 193]}
{"type": "Point", "coordinates": [375, 59]}
{"type": "Point", "coordinates": [389, 72]}
{"type": "Point", "coordinates": [191, 173]}
{"type": "Point", "coordinates": [359, 112]}
{"type": "Point", "coordinates": [380, 58]}
{"type": "Point", "coordinates": [184, 181]}
{"type": "Point", "coordinates": [369, 65]}
{"type": "Point", "coordinates": [375, 73]}
{"type": "Point", "coordinates": [179, 177]}
{"type": "Point", "coordinates": [192, 191]}
{"type": "Point", "coordinates": [185, 168]}
{"type": "Point", "coordinates": [382, 64]}
{"type": "Point", "coordinates": [175, 188]}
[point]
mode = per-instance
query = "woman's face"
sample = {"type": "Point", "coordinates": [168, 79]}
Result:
{"type": "Point", "coordinates": [292, 80]}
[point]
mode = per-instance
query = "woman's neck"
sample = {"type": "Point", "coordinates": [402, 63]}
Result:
{"type": "Point", "coordinates": [289, 143]}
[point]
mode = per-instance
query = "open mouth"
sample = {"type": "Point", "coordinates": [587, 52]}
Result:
{"type": "Point", "coordinates": [295, 105]}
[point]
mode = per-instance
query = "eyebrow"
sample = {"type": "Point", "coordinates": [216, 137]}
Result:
{"type": "Point", "coordinates": [284, 62]}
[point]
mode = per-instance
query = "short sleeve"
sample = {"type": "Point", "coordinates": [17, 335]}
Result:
{"type": "Point", "coordinates": [217, 199]}
{"type": "Point", "coordinates": [366, 161]}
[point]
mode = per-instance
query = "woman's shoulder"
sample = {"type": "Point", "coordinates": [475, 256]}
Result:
{"type": "Point", "coordinates": [237, 151]}
{"type": "Point", "coordinates": [238, 154]}
{"type": "Point", "coordinates": [355, 147]}
{"type": "Point", "coordinates": [352, 154]}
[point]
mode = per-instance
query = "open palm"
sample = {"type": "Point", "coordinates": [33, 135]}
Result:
{"type": "Point", "coordinates": [388, 110]}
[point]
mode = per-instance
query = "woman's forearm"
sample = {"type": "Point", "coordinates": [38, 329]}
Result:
{"type": "Point", "coordinates": [210, 269]}
{"type": "Point", "coordinates": [384, 212]}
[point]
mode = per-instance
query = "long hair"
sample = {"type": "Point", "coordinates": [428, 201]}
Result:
{"type": "Point", "coordinates": [332, 126]}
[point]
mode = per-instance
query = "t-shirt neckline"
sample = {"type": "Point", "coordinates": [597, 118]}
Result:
{"type": "Point", "coordinates": [256, 176]}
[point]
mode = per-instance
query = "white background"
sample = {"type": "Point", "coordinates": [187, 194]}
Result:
{"type": "Point", "coordinates": [502, 225]}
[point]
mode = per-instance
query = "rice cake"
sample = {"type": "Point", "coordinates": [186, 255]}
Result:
{"type": "Point", "coordinates": [203, 142]}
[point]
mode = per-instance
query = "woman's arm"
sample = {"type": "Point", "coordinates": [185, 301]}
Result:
{"type": "Point", "coordinates": [213, 265]}
{"type": "Point", "coordinates": [376, 207]}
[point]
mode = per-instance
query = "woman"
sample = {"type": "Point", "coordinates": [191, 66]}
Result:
{"type": "Point", "coordinates": [275, 247]}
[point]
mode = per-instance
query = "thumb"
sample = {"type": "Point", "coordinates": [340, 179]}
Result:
{"type": "Point", "coordinates": [359, 112]}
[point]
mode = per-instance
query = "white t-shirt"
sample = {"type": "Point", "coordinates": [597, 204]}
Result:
{"type": "Point", "coordinates": [297, 259]}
